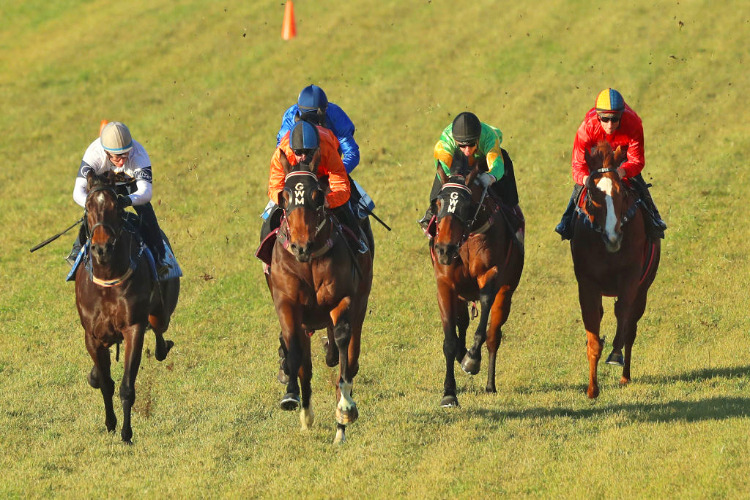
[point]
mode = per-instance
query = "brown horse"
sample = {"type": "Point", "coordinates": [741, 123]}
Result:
{"type": "Point", "coordinates": [475, 256]}
{"type": "Point", "coordinates": [611, 256]}
{"type": "Point", "coordinates": [117, 299]}
{"type": "Point", "coordinates": [317, 281]}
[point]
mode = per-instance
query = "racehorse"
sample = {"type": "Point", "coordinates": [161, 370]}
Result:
{"type": "Point", "coordinates": [317, 281]}
{"type": "Point", "coordinates": [475, 256]}
{"type": "Point", "coordinates": [611, 256]}
{"type": "Point", "coordinates": [119, 299]}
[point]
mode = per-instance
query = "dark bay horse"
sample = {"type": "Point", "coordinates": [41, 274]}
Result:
{"type": "Point", "coordinates": [317, 281]}
{"type": "Point", "coordinates": [611, 256]}
{"type": "Point", "coordinates": [475, 256]}
{"type": "Point", "coordinates": [117, 299]}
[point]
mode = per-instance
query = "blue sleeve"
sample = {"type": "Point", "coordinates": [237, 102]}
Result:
{"type": "Point", "coordinates": [343, 128]}
{"type": "Point", "coordinates": [287, 122]}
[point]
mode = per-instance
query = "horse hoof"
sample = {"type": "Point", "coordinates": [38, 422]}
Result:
{"type": "Point", "coordinates": [347, 416]}
{"type": "Point", "coordinates": [290, 402]}
{"type": "Point", "coordinates": [460, 354]}
{"type": "Point", "coordinates": [340, 435]}
{"type": "Point", "coordinates": [162, 355]}
{"type": "Point", "coordinates": [93, 378]}
{"type": "Point", "coordinates": [592, 392]}
{"type": "Point", "coordinates": [615, 358]}
{"type": "Point", "coordinates": [282, 377]}
{"type": "Point", "coordinates": [449, 402]}
{"type": "Point", "coordinates": [470, 365]}
{"type": "Point", "coordinates": [332, 356]}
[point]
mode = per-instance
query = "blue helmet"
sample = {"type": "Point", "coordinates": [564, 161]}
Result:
{"type": "Point", "coordinates": [312, 99]}
{"type": "Point", "coordinates": [304, 135]}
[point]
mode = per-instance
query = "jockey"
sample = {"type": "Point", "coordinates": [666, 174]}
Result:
{"type": "Point", "coordinates": [115, 150]}
{"type": "Point", "coordinates": [307, 143]}
{"type": "Point", "coordinates": [313, 106]}
{"type": "Point", "coordinates": [477, 141]}
{"type": "Point", "coordinates": [614, 121]}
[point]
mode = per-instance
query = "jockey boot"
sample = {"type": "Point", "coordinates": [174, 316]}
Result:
{"type": "Point", "coordinates": [656, 225]}
{"type": "Point", "coordinates": [519, 223]}
{"type": "Point", "coordinates": [152, 235]}
{"type": "Point", "coordinates": [346, 218]}
{"type": "Point", "coordinates": [77, 245]}
{"type": "Point", "coordinates": [565, 227]}
{"type": "Point", "coordinates": [71, 258]}
{"type": "Point", "coordinates": [424, 222]}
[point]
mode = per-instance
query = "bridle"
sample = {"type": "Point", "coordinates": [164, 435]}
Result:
{"type": "Point", "coordinates": [116, 233]}
{"type": "Point", "coordinates": [300, 198]}
{"type": "Point", "coordinates": [629, 214]}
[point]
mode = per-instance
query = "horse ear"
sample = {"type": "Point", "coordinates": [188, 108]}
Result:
{"type": "Point", "coordinates": [589, 159]}
{"type": "Point", "coordinates": [441, 173]}
{"type": "Point", "coordinates": [620, 154]}
{"type": "Point", "coordinates": [284, 161]}
{"type": "Point", "coordinates": [109, 176]}
{"type": "Point", "coordinates": [90, 178]}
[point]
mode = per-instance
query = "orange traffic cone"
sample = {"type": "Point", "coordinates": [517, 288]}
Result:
{"type": "Point", "coordinates": [101, 126]}
{"type": "Point", "coordinates": [288, 29]}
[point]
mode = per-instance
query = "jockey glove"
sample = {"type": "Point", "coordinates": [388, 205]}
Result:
{"type": "Point", "coordinates": [124, 201]}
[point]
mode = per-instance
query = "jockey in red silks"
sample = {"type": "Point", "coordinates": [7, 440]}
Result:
{"type": "Point", "coordinates": [611, 120]}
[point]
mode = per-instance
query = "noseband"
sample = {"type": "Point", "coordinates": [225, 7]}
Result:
{"type": "Point", "coordinates": [116, 233]}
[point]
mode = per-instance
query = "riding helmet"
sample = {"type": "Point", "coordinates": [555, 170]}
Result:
{"type": "Point", "coordinates": [466, 127]}
{"type": "Point", "coordinates": [610, 101]}
{"type": "Point", "coordinates": [115, 138]}
{"type": "Point", "coordinates": [304, 135]}
{"type": "Point", "coordinates": [312, 99]}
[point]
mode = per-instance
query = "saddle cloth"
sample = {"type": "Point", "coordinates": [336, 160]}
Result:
{"type": "Point", "coordinates": [174, 268]}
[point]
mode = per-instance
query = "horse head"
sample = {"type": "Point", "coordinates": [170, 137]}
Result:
{"type": "Point", "coordinates": [303, 202]}
{"type": "Point", "coordinates": [102, 216]}
{"type": "Point", "coordinates": [455, 209]}
{"type": "Point", "coordinates": [605, 193]}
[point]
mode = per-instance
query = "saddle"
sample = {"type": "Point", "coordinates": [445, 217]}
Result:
{"type": "Point", "coordinates": [512, 216]}
{"type": "Point", "coordinates": [174, 268]}
{"type": "Point", "coordinates": [357, 244]}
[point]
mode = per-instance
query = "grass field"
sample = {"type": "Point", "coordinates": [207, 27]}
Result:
{"type": "Point", "coordinates": [203, 86]}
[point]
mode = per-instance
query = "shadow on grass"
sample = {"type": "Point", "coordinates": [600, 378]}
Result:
{"type": "Point", "coordinates": [672, 411]}
{"type": "Point", "coordinates": [691, 376]}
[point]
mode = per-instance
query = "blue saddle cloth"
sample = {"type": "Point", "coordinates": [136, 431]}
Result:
{"type": "Point", "coordinates": [174, 268]}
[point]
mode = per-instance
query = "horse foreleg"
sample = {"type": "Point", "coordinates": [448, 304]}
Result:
{"type": "Point", "coordinates": [462, 323]}
{"type": "Point", "coordinates": [498, 317]}
{"type": "Point", "coordinates": [100, 378]}
{"type": "Point", "coordinates": [636, 313]}
{"type": "Point", "coordinates": [473, 359]}
{"type": "Point", "coordinates": [133, 348]}
{"type": "Point", "coordinates": [346, 408]}
{"type": "Point", "coordinates": [592, 312]}
{"type": "Point", "coordinates": [162, 307]}
{"type": "Point", "coordinates": [306, 415]}
{"type": "Point", "coordinates": [449, 307]}
{"type": "Point", "coordinates": [290, 320]}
